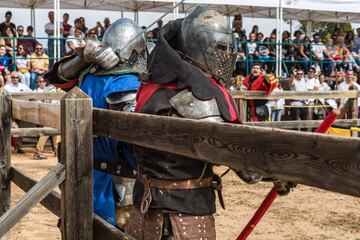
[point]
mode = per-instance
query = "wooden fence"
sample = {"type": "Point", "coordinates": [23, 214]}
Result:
{"type": "Point", "coordinates": [326, 162]}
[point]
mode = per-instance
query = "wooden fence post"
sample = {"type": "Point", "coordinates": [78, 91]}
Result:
{"type": "Point", "coordinates": [76, 155]}
{"type": "Point", "coordinates": [5, 151]}
{"type": "Point", "coordinates": [355, 114]}
{"type": "Point", "coordinates": [243, 109]}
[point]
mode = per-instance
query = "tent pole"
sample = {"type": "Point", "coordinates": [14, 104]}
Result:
{"type": "Point", "coordinates": [59, 32]}
{"type": "Point", "coordinates": [277, 41]}
{"type": "Point", "coordinates": [55, 30]}
{"type": "Point", "coordinates": [280, 34]}
{"type": "Point", "coordinates": [122, 14]}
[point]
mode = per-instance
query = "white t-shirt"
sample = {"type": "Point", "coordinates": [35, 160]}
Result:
{"type": "Point", "coordinates": [21, 62]}
{"type": "Point", "coordinates": [324, 87]}
{"type": "Point", "coordinates": [299, 86]}
{"type": "Point", "coordinates": [276, 104]}
{"type": "Point", "coordinates": [319, 50]}
{"type": "Point", "coordinates": [330, 101]}
{"type": "Point", "coordinates": [251, 47]}
{"type": "Point", "coordinates": [10, 87]}
{"type": "Point", "coordinates": [49, 26]}
{"type": "Point", "coordinates": [311, 84]}
{"type": "Point", "coordinates": [72, 39]}
{"type": "Point", "coordinates": [345, 87]}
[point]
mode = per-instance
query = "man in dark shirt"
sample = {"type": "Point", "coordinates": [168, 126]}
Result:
{"type": "Point", "coordinates": [28, 41]}
{"type": "Point", "coordinates": [7, 22]}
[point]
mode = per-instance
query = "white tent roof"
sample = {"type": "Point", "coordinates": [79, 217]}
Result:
{"type": "Point", "coordinates": [322, 10]}
{"type": "Point", "coordinates": [314, 10]}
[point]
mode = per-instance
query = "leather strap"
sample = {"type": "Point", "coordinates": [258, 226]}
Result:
{"type": "Point", "coordinates": [114, 168]}
{"type": "Point", "coordinates": [180, 184]}
{"type": "Point", "coordinates": [213, 182]}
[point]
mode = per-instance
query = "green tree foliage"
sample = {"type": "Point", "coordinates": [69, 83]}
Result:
{"type": "Point", "coordinates": [326, 29]}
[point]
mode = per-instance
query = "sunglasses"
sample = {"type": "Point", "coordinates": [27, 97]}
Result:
{"type": "Point", "coordinates": [300, 74]}
{"type": "Point", "coordinates": [38, 48]}
{"type": "Point", "coordinates": [92, 33]}
{"type": "Point", "coordinates": [15, 77]}
{"type": "Point", "coordinates": [20, 30]}
{"type": "Point", "coordinates": [40, 81]}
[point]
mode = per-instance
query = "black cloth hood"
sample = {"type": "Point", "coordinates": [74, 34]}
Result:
{"type": "Point", "coordinates": [166, 66]}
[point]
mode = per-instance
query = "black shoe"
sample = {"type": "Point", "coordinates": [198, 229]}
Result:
{"type": "Point", "coordinates": [20, 151]}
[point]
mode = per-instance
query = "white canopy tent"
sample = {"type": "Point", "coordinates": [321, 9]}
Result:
{"type": "Point", "coordinates": [309, 10]}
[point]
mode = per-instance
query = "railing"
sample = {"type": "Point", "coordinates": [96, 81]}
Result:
{"type": "Point", "coordinates": [305, 158]}
{"type": "Point", "coordinates": [241, 46]}
{"type": "Point", "coordinates": [351, 108]}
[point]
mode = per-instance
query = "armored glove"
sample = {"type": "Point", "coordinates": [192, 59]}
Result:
{"type": "Point", "coordinates": [249, 177]}
{"type": "Point", "coordinates": [283, 187]}
{"type": "Point", "coordinates": [270, 79]}
{"type": "Point", "coordinates": [104, 56]}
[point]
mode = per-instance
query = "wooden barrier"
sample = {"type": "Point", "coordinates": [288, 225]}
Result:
{"type": "Point", "coordinates": [5, 154]}
{"type": "Point", "coordinates": [269, 151]}
{"type": "Point", "coordinates": [34, 132]}
{"type": "Point", "coordinates": [76, 155]}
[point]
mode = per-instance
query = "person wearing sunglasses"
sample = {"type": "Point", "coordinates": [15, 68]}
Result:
{"type": "Point", "coordinates": [39, 64]}
{"type": "Point", "coordinates": [23, 64]}
{"type": "Point", "coordinates": [40, 146]}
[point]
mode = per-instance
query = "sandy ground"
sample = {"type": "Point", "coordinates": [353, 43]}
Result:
{"type": "Point", "coordinates": [307, 213]}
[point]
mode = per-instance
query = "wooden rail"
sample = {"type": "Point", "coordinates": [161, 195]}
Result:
{"type": "Point", "coordinates": [31, 198]}
{"type": "Point", "coordinates": [258, 95]}
{"type": "Point", "coordinates": [38, 96]}
{"type": "Point", "coordinates": [52, 202]}
{"type": "Point", "coordinates": [327, 162]}
{"type": "Point", "coordinates": [301, 157]}
{"type": "Point", "coordinates": [45, 114]}
{"type": "Point", "coordinates": [34, 132]}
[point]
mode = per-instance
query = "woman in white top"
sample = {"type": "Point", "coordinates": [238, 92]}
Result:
{"type": "Point", "coordinates": [23, 65]}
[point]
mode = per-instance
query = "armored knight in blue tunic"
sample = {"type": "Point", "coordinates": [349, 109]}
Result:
{"type": "Point", "coordinates": [109, 73]}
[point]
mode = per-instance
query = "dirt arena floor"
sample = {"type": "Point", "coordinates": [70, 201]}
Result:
{"type": "Point", "coordinates": [307, 213]}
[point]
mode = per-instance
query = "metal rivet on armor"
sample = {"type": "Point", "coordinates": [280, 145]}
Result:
{"type": "Point", "coordinates": [204, 225]}
{"type": "Point", "coordinates": [118, 171]}
{"type": "Point", "coordinates": [158, 214]}
{"type": "Point", "coordinates": [157, 228]}
{"type": "Point", "coordinates": [202, 217]}
{"type": "Point", "coordinates": [196, 217]}
{"type": "Point", "coordinates": [191, 104]}
{"type": "Point", "coordinates": [200, 231]}
{"type": "Point", "coordinates": [184, 233]}
{"type": "Point", "coordinates": [118, 167]}
{"type": "Point", "coordinates": [184, 227]}
{"type": "Point", "coordinates": [103, 166]}
{"type": "Point", "coordinates": [181, 220]}
{"type": "Point", "coordinates": [158, 220]}
{"type": "Point", "coordinates": [180, 215]}
{"type": "Point", "coordinates": [199, 225]}
{"type": "Point", "coordinates": [204, 230]}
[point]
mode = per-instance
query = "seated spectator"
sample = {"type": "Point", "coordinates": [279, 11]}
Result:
{"type": "Point", "coordinates": [23, 65]}
{"type": "Point", "coordinates": [272, 49]}
{"type": "Point", "coordinates": [322, 56]}
{"type": "Point", "coordinates": [39, 154]}
{"type": "Point", "coordinates": [39, 64]}
{"type": "Point", "coordinates": [259, 37]}
{"type": "Point", "coordinates": [10, 39]}
{"type": "Point", "coordinates": [12, 87]}
{"type": "Point", "coordinates": [28, 41]}
{"type": "Point", "coordinates": [75, 41]}
{"type": "Point", "coordinates": [304, 54]}
{"type": "Point", "coordinates": [91, 36]}
{"type": "Point", "coordinates": [298, 83]}
{"type": "Point", "coordinates": [8, 16]}
{"type": "Point", "coordinates": [251, 48]}
{"type": "Point", "coordinates": [240, 65]}
{"type": "Point", "coordinates": [357, 39]}
{"type": "Point", "coordinates": [286, 34]}
{"type": "Point", "coordinates": [349, 37]}
{"type": "Point", "coordinates": [348, 83]}
{"type": "Point", "coordinates": [5, 59]}
{"type": "Point", "coordinates": [288, 55]}
{"type": "Point", "coordinates": [323, 86]}
{"type": "Point", "coordinates": [15, 85]}
{"type": "Point", "coordinates": [312, 84]}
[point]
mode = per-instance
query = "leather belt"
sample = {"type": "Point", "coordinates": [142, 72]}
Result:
{"type": "Point", "coordinates": [213, 182]}
{"type": "Point", "coordinates": [113, 168]}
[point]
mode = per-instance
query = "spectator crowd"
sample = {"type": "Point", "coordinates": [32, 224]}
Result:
{"type": "Point", "coordinates": [311, 63]}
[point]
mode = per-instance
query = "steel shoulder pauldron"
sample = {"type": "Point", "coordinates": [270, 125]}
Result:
{"type": "Point", "coordinates": [188, 106]}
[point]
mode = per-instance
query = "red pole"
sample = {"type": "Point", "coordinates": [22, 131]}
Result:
{"type": "Point", "coordinates": [270, 198]}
